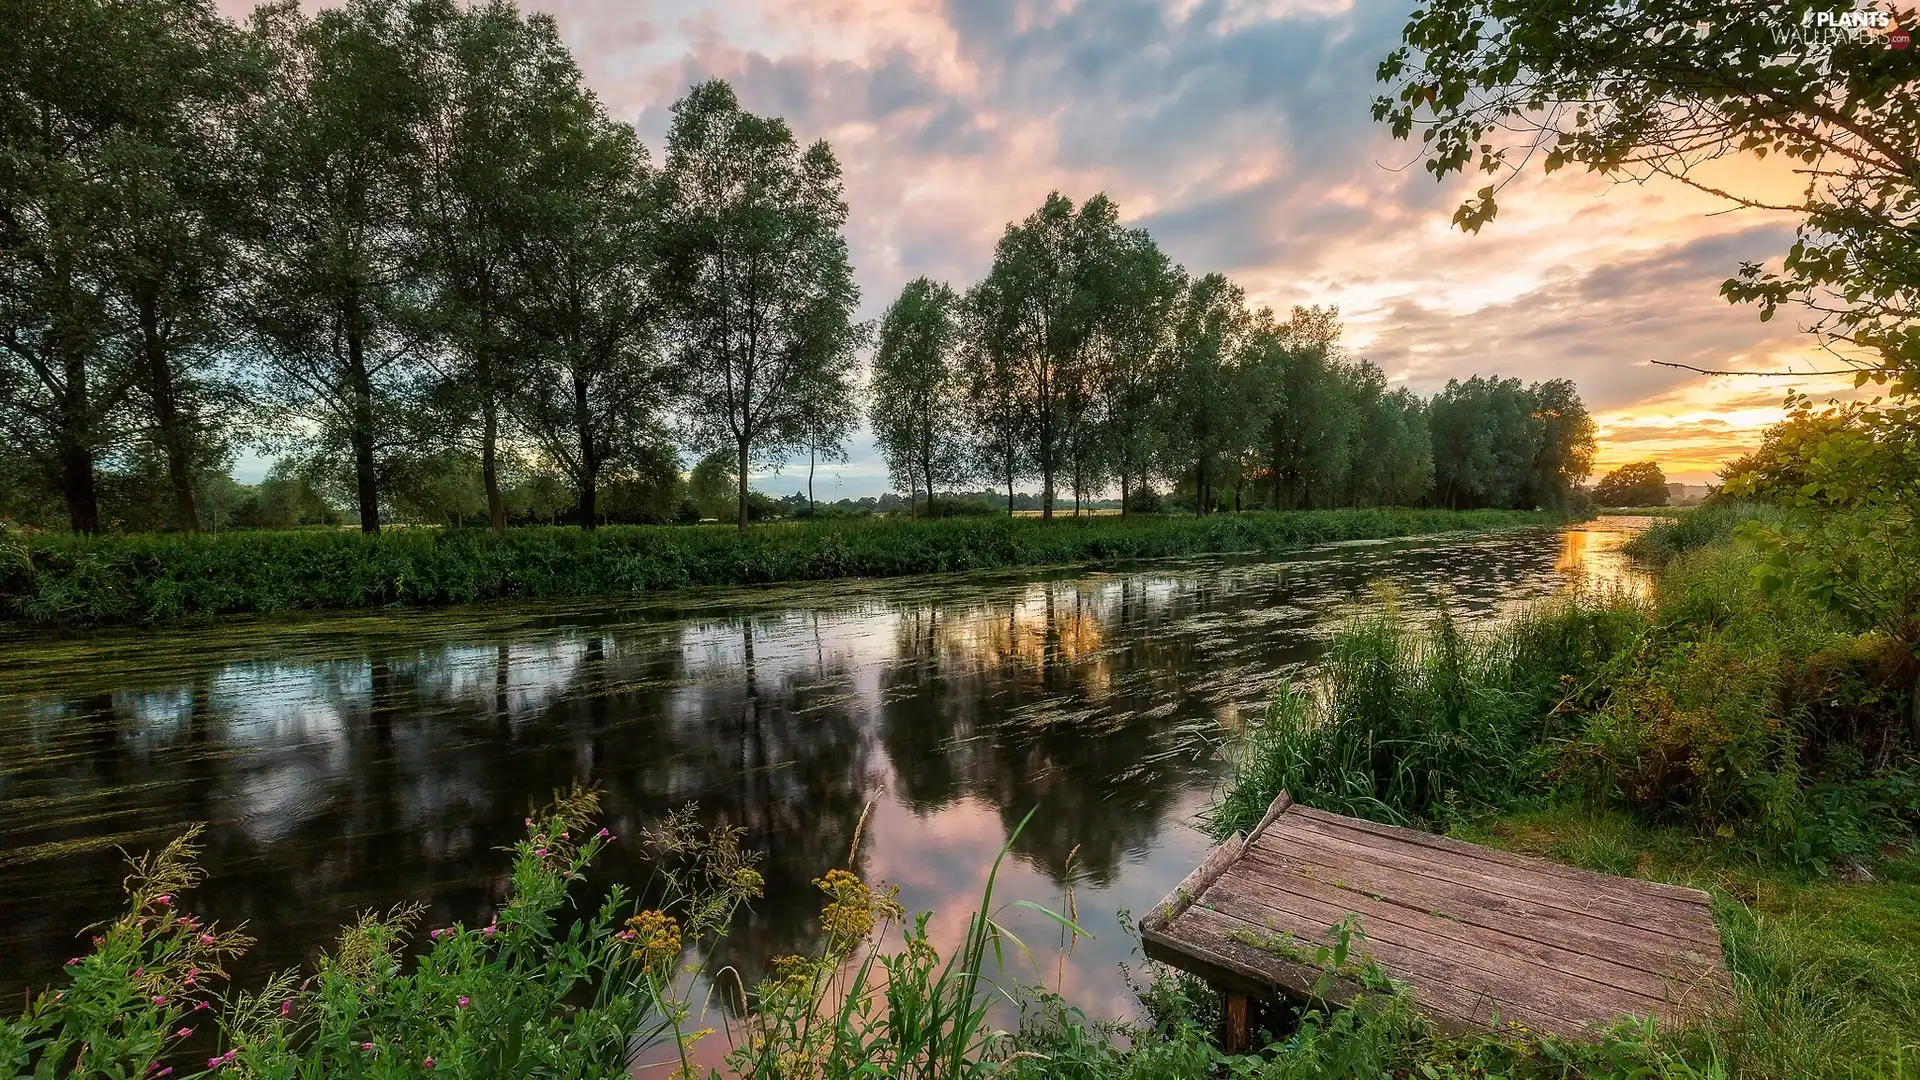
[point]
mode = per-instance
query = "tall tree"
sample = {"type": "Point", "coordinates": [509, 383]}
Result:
{"type": "Point", "coordinates": [594, 376]}
{"type": "Point", "coordinates": [996, 421]}
{"type": "Point", "coordinates": [79, 79]}
{"type": "Point", "coordinates": [336, 278]}
{"type": "Point", "coordinates": [1310, 410]}
{"type": "Point", "coordinates": [1485, 439]}
{"type": "Point", "coordinates": [170, 201]}
{"type": "Point", "coordinates": [1206, 413]}
{"type": "Point", "coordinates": [755, 276]}
{"type": "Point", "coordinates": [1042, 303]}
{"type": "Point", "coordinates": [498, 84]}
{"type": "Point", "coordinates": [1564, 456]}
{"type": "Point", "coordinates": [919, 389]}
{"type": "Point", "coordinates": [1142, 291]}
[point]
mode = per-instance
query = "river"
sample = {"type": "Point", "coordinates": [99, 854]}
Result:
{"type": "Point", "coordinates": [351, 763]}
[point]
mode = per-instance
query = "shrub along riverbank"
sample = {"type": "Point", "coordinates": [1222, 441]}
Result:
{"type": "Point", "coordinates": [1747, 741]}
{"type": "Point", "coordinates": [155, 579]}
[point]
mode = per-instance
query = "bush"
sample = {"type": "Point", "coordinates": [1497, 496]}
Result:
{"type": "Point", "coordinates": [154, 579]}
{"type": "Point", "coordinates": [1714, 706]}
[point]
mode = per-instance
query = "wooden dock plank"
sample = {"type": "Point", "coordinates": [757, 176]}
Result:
{"type": "Point", "coordinates": [1474, 934]}
{"type": "Point", "coordinates": [1618, 911]}
{"type": "Point", "coordinates": [1445, 989]}
{"type": "Point", "coordinates": [1565, 947]}
{"type": "Point", "coordinates": [1645, 947]}
{"type": "Point", "coordinates": [1324, 906]}
{"type": "Point", "coordinates": [1506, 858]}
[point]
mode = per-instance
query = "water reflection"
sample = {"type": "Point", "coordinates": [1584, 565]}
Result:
{"type": "Point", "coordinates": [352, 763]}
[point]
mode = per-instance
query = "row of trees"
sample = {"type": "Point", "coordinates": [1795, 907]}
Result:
{"type": "Point", "coordinates": [400, 237]}
{"type": "Point", "coordinates": [400, 246]}
{"type": "Point", "coordinates": [1087, 359]}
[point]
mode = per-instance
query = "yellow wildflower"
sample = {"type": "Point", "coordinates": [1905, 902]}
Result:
{"type": "Point", "coordinates": [656, 938]}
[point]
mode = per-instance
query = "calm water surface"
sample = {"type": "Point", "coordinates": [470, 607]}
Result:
{"type": "Point", "coordinates": [352, 763]}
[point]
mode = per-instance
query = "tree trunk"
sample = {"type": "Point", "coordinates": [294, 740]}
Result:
{"type": "Point", "coordinates": [76, 483]}
{"type": "Point", "coordinates": [589, 458]}
{"type": "Point", "coordinates": [810, 457]}
{"type": "Point", "coordinates": [166, 416]}
{"type": "Point", "coordinates": [76, 456]}
{"type": "Point", "coordinates": [743, 485]}
{"type": "Point", "coordinates": [362, 434]}
{"type": "Point", "coordinates": [1200, 506]}
{"type": "Point", "coordinates": [1123, 493]}
{"type": "Point", "coordinates": [1046, 492]}
{"type": "Point", "coordinates": [489, 447]}
{"type": "Point", "coordinates": [1009, 486]}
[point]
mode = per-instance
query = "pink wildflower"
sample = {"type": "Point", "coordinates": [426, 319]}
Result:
{"type": "Point", "coordinates": [183, 1033]}
{"type": "Point", "coordinates": [367, 1046]}
{"type": "Point", "coordinates": [286, 1007]}
{"type": "Point", "coordinates": [542, 852]}
{"type": "Point", "coordinates": [428, 1063]}
{"type": "Point", "coordinates": [463, 1001]}
{"type": "Point", "coordinates": [159, 999]}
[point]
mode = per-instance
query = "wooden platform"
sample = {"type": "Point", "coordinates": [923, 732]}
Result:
{"type": "Point", "coordinates": [1479, 937]}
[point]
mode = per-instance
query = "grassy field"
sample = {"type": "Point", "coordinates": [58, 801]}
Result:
{"type": "Point", "coordinates": [158, 579]}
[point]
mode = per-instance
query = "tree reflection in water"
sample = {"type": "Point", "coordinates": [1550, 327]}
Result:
{"type": "Point", "coordinates": [355, 764]}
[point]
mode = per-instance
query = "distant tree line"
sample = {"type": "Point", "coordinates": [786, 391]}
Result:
{"type": "Point", "coordinates": [1087, 360]}
{"type": "Point", "coordinates": [398, 246]}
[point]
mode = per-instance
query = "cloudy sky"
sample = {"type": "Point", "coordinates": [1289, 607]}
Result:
{"type": "Point", "coordinates": [1237, 131]}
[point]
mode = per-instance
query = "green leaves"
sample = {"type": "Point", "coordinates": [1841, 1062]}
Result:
{"type": "Point", "coordinates": [1653, 88]}
{"type": "Point", "coordinates": [755, 279]}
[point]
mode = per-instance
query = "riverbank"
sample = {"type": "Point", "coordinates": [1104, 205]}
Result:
{"type": "Point", "coordinates": [161, 579]}
{"type": "Point", "coordinates": [1717, 734]}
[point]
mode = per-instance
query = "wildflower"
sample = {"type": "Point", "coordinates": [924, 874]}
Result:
{"type": "Point", "coordinates": [435, 934]}
{"type": "Point", "coordinates": [853, 910]}
{"type": "Point", "coordinates": [428, 1063]}
{"type": "Point", "coordinates": [183, 1033]}
{"type": "Point", "coordinates": [73, 961]}
{"type": "Point", "coordinates": [748, 882]}
{"type": "Point", "coordinates": [657, 937]}
{"type": "Point", "coordinates": [163, 900]}
{"type": "Point", "coordinates": [463, 1001]}
{"type": "Point", "coordinates": [286, 1007]}
{"type": "Point", "coordinates": [367, 1046]}
{"type": "Point", "coordinates": [542, 852]}
{"type": "Point", "coordinates": [603, 835]}
{"type": "Point", "coordinates": [198, 1005]}
{"type": "Point", "coordinates": [159, 999]}
{"type": "Point", "coordinates": [489, 929]}
{"type": "Point", "coordinates": [206, 939]}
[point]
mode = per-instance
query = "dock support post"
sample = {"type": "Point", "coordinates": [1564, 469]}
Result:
{"type": "Point", "coordinates": [1233, 1022]}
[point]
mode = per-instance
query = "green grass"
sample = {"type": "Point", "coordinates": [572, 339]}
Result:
{"type": "Point", "coordinates": [1714, 735]}
{"type": "Point", "coordinates": [159, 579]}
{"type": "Point", "coordinates": [1709, 523]}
